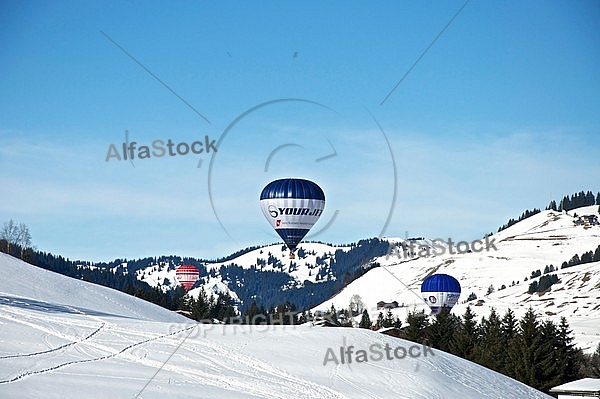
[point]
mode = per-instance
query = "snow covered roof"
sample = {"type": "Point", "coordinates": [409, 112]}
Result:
{"type": "Point", "coordinates": [584, 385]}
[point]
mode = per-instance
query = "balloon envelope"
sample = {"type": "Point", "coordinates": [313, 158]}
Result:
{"type": "Point", "coordinates": [439, 291]}
{"type": "Point", "coordinates": [292, 207]}
{"type": "Point", "coordinates": [187, 275]}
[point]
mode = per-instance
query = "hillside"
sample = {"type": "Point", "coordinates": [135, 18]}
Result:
{"type": "Point", "coordinates": [64, 338]}
{"type": "Point", "coordinates": [267, 275]}
{"type": "Point", "coordinates": [547, 238]}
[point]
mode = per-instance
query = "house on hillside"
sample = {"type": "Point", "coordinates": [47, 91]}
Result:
{"type": "Point", "coordinates": [587, 221]}
{"type": "Point", "coordinates": [584, 388]}
{"type": "Point", "coordinates": [387, 305]}
{"type": "Point", "coordinates": [590, 220]}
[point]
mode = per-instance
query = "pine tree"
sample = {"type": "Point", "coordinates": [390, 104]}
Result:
{"type": "Point", "coordinates": [596, 257]}
{"type": "Point", "coordinates": [380, 321]}
{"type": "Point", "coordinates": [365, 320]}
{"type": "Point", "coordinates": [589, 199]}
{"type": "Point", "coordinates": [389, 319]}
{"type": "Point", "coordinates": [332, 315]}
{"type": "Point", "coordinates": [533, 287]}
{"type": "Point", "coordinates": [442, 330]}
{"type": "Point", "coordinates": [466, 337]}
{"type": "Point", "coordinates": [490, 350]}
{"type": "Point", "coordinates": [417, 323]}
{"type": "Point", "coordinates": [568, 357]}
{"type": "Point", "coordinates": [398, 323]}
{"type": "Point", "coordinates": [550, 373]}
{"type": "Point", "coordinates": [200, 308]}
{"type": "Point", "coordinates": [594, 364]}
{"type": "Point", "coordinates": [508, 327]}
{"type": "Point", "coordinates": [223, 309]}
{"type": "Point", "coordinates": [530, 359]}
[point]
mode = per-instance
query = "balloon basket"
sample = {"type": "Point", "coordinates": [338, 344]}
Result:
{"type": "Point", "coordinates": [292, 256]}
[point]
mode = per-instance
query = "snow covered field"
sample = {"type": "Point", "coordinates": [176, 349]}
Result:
{"type": "Point", "coordinates": [64, 338]}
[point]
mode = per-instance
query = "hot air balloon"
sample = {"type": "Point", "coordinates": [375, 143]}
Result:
{"type": "Point", "coordinates": [292, 207]}
{"type": "Point", "coordinates": [187, 276]}
{"type": "Point", "coordinates": [439, 291]}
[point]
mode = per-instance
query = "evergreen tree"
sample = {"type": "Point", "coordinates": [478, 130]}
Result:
{"type": "Point", "coordinates": [508, 327]}
{"type": "Point", "coordinates": [466, 337]}
{"type": "Point", "coordinates": [200, 308]}
{"type": "Point", "coordinates": [417, 323]}
{"type": "Point", "coordinates": [547, 281]}
{"type": "Point", "coordinates": [533, 287]}
{"type": "Point", "coordinates": [593, 370]}
{"type": "Point", "coordinates": [224, 309]}
{"type": "Point", "coordinates": [397, 323]}
{"type": "Point", "coordinates": [332, 315]}
{"type": "Point", "coordinates": [530, 358]}
{"type": "Point", "coordinates": [567, 356]}
{"type": "Point", "coordinates": [380, 321]}
{"type": "Point", "coordinates": [589, 199]}
{"type": "Point", "coordinates": [365, 320]}
{"type": "Point", "coordinates": [551, 372]}
{"type": "Point", "coordinates": [490, 350]}
{"type": "Point", "coordinates": [442, 330]}
{"type": "Point", "coordinates": [389, 319]}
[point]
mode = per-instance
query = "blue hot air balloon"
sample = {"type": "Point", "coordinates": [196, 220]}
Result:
{"type": "Point", "coordinates": [292, 206]}
{"type": "Point", "coordinates": [439, 291]}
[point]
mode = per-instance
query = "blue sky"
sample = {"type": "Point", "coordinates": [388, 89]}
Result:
{"type": "Point", "coordinates": [500, 115]}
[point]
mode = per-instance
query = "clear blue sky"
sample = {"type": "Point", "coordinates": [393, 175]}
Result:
{"type": "Point", "coordinates": [501, 114]}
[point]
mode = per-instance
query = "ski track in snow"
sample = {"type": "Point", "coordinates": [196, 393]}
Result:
{"type": "Point", "coordinates": [41, 323]}
{"type": "Point", "coordinates": [56, 348]}
{"type": "Point", "coordinates": [220, 367]}
{"type": "Point", "coordinates": [248, 374]}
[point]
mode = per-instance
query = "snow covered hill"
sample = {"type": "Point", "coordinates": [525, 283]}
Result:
{"type": "Point", "coordinates": [267, 275]}
{"type": "Point", "coordinates": [64, 338]}
{"type": "Point", "coordinates": [311, 264]}
{"type": "Point", "coordinates": [547, 238]}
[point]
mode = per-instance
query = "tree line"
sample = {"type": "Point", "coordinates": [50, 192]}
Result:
{"type": "Point", "coordinates": [536, 352]}
{"type": "Point", "coordinates": [567, 203]}
{"type": "Point", "coordinates": [172, 299]}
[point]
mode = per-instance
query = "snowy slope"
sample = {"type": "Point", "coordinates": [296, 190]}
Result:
{"type": "Point", "coordinates": [39, 288]}
{"type": "Point", "coordinates": [547, 238]}
{"type": "Point", "coordinates": [63, 338]}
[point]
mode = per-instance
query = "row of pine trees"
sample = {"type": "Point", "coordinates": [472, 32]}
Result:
{"type": "Point", "coordinates": [567, 203]}
{"type": "Point", "coordinates": [534, 351]}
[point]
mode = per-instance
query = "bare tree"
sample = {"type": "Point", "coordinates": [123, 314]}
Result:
{"type": "Point", "coordinates": [16, 234]}
{"type": "Point", "coordinates": [24, 238]}
{"type": "Point", "coordinates": [356, 305]}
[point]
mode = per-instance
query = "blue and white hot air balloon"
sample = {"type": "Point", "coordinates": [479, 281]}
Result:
{"type": "Point", "coordinates": [439, 291]}
{"type": "Point", "coordinates": [292, 206]}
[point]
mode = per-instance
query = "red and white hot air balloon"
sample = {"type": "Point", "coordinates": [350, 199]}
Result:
{"type": "Point", "coordinates": [187, 275]}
